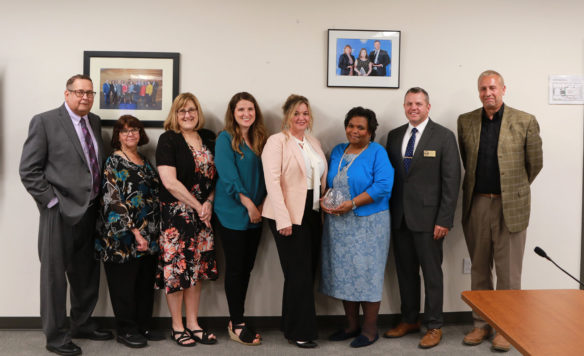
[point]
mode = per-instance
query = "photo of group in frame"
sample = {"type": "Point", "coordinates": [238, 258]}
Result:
{"type": "Point", "coordinates": [363, 58]}
{"type": "Point", "coordinates": [134, 89]}
{"type": "Point", "coordinates": [142, 84]}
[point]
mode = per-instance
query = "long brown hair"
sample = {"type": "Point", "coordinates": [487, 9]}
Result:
{"type": "Point", "coordinates": [257, 131]}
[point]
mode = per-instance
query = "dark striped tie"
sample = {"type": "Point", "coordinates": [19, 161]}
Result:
{"type": "Point", "coordinates": [410, 150]}
{"type": "Point", "coordinates": [92, 156]}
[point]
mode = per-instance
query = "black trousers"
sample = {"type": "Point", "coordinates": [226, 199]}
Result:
{"type": "Point", "coordinates": [66, 253]}
{"type": "Point", "coordinates": [131, 287]}
{"type": "Point", "coordinates": [298, 258]}
{"type": "Point", "coordinates": [412, 251]}
{"type": "Point", "coordinates": [240, 248]}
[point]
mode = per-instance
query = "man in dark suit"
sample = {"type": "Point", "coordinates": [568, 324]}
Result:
{"type": "Point", "coordinates": [61, 168]}
{"type": "Point", "coordinates": [425, 191]}
{"type": "Point", "coordinates": [501, 151]}
{"type": "Point", "coordinates": [380, 60]}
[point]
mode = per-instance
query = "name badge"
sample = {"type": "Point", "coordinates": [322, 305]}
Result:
{"type": "Point", "coordinates": [428, 153]}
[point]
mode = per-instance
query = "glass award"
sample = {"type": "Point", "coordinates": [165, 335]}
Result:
{"type": "Point", "coordinates": [333, 198]}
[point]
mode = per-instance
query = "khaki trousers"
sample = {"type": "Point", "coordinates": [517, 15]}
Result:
{"type": "Point", "coordinates": [488, 240]}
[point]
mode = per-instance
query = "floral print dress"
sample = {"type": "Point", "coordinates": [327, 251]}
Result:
{"type": "Point", "coordinates": [129, 200]}
{"type": "Point", "coordinates": [186, 243]}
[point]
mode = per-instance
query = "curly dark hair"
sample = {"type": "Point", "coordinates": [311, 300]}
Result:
{"type": "Point", "coordinates": [130, 121]}
{"type": "Point", "coordinates": [366, 113]}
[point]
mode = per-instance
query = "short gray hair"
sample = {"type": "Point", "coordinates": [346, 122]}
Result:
{"type": "Point", "coordinates": [490, 72]}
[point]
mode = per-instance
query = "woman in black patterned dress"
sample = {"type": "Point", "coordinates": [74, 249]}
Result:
{"type": "Point", "coordinates": [185, 163]}
{"type": "Point", "coordinates": [128, 240]}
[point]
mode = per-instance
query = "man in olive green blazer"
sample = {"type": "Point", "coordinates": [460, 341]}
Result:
{"type": "Point", "coordinates": [502, 154]}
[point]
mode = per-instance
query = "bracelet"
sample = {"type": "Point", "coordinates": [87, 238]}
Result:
{"type": "Point", "coordinates": [210, 201]}
{"type": "Point", "coordinates": [354, 205]}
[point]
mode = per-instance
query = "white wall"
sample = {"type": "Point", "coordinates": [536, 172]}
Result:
{"type": "Point", "coordinates": [274, 48]}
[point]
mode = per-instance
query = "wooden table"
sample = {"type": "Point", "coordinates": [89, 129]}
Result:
{"type": "Point", "coordinates": [536, 322]}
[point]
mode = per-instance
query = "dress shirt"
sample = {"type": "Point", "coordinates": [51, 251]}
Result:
{"type": "Point", "coordinates": [307, 163]}
{"type": "Point", "coordinates": [76, 123]}
{"type": "Point", "coordinates": [408, 134]}
{"type": "Point", "coordinates": [488, 180]}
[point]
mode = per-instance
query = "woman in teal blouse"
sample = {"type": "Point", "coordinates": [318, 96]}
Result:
{"type": "Point", "coordinates": [239, 196]}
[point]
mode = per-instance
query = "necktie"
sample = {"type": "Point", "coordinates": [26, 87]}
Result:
{"type": "Point", "coordinates": [410, 150]}
{"type": "Point", "coordinates": [92, 156]}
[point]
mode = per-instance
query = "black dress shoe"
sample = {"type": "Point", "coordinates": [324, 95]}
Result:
{"type": "Point", "coordinates": [362, 341]}
{"type": "Point", "coordinates": [342, 335]}
{"type": "Point", "coordinates": [97, 334]}
{"type": "Point", "coordinates": [134, 341]}
{"type": "Point", "coordinates": [153, 335]}
{"type": "Point", "coordinates": [69, 349]}
{"type": "Point", "coordinates": [304, 344]}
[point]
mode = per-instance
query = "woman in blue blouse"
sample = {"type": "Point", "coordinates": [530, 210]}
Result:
{"type": "Point", "coordinates": [239, 196]}
{"type": "Point", "coordinates": [128, 241]}
{"type": "Point", "coordinates": [355, 240]}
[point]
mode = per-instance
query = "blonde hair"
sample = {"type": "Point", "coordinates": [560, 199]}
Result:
{"type": "Point", "coordinates": [257, 132]}
{"type": "Point", "coordinates": [290, 107]}
{"type": "Point", "coordinates": [171, 122]}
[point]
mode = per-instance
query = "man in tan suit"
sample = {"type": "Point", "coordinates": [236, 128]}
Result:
{"type": "Point", "coordinates": [502, 154]}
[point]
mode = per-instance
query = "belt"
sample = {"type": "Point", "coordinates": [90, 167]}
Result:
{"type": "Point", "coordinates": [489, 195]}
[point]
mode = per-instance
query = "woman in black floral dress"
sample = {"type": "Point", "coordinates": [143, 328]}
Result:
{"type": "Point", "coordinates": [186, 167]}
{"type": "Point", "coordinates": [128, 241]}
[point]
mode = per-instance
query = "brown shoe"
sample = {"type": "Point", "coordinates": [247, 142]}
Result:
{"type": "Point", "coordinates": [500, 343]}
{"type": "Point", "coordinates": [477, 335]}
{"type": "Point", "coordinates": [431, 339]}
{"type": "Point", "coordinates": [401, 329]}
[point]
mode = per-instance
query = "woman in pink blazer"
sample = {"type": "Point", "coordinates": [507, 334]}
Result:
{"type": "Point", "coordinates": [295, 174]}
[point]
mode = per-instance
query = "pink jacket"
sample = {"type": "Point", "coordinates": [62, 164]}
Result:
{"type": "Point", "coordinates": [285, 175]}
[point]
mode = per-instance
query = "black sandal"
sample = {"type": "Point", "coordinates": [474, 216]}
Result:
{"type": "Point", "coordinates": [246, 337]}
{"type": "Point", "coordinates": [204, 339]}
{"type": "Point", "coordinates": [183, 337]}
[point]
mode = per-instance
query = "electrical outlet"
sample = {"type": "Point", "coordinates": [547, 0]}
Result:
{"type": "Point", "coordinates": [466, 265]}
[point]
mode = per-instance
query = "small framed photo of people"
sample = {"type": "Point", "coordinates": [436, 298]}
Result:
{"type": "Point", "coordinates": [363, 58]}
{"type": "Point", "coordinates": [142, 84]}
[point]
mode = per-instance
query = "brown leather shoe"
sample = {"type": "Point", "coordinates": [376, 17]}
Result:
{"type": "Point", "coordinates": [477, 335]}
{"type": "Point", "coordinates": [500, 343]}
{"type": "Point", "coordinates": [431, 339]}
{"type": "Point", "coordinates": [401, 329]}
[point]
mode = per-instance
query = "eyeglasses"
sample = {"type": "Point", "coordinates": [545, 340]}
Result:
{"type": "Point", "coordinates": [81, 93]}
{"type": "Point", "coordinates": [183, 112]}
{"type": "Point", "coordinates": [129, 131]}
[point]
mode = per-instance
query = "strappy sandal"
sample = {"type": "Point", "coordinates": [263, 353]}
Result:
{"type": "Point", "coordinates": [246, 337]}
{"type": "Point", "coordinates": [183, 338]}
{"type": "Point", "coordinates": [204, 339]}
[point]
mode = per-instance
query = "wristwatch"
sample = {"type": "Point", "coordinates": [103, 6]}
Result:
{"type": "Point", "coordinates": [354, 206]}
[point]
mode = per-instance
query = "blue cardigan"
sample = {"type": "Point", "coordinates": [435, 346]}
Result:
{"type": "Point", "coordinates": [237, 174]}
{"type": "Point", "coordinates": [370, 172]}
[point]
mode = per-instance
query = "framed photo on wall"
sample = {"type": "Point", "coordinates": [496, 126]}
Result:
{"type": "Point", "coordinates": [142, 84]}
{"type": "Point", "coordinates": [363, 58]}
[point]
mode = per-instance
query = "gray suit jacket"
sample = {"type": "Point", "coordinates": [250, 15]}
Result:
{"type": "Point", "coordinates": [428, 193]}
{"type": "Point", "coordinates": [53, 163]}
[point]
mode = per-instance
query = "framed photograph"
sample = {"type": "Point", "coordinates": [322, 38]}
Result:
{"type": "Point", "coordinates": [142, 84]}
{"type": "Point", "coordinates": [363, 58]}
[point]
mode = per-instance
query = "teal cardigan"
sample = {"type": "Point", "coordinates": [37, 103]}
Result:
{"type": "Point", "coordinates": [237, 174]}
{"type": "Point", "coordinates": [371, 172]}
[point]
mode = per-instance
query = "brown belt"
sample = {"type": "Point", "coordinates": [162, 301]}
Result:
{"type": "Point", "coordinates": [490, 196]}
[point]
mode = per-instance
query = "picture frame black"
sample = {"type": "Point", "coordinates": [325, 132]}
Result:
{"type": "Point", "coordinates": [156, 72]}
{"type": "Point", "coordinates": [384, 71]}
